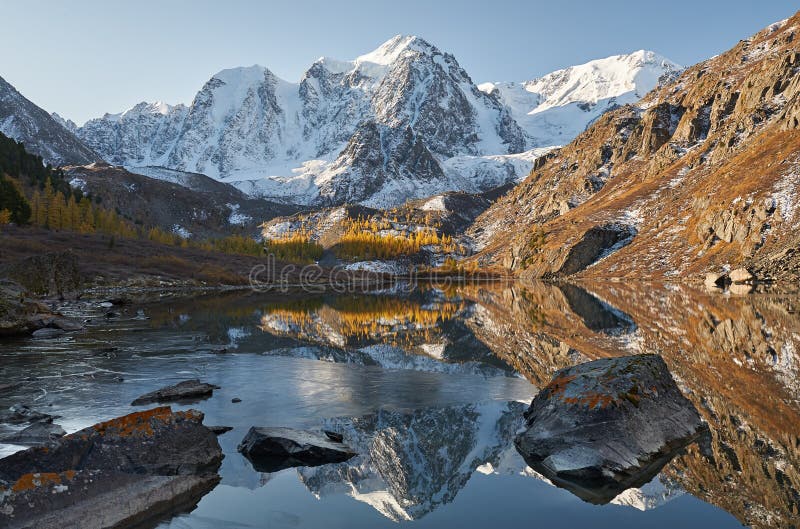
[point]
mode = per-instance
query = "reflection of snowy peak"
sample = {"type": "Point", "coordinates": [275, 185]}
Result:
{"type": "Point", "coordinates": [410, 463]}
{"type": "Point", "coordinates": [555, 108]}
{"type": "Point", "coordinates": [650, 496]}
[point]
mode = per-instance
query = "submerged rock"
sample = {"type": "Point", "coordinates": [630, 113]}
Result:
{"type": "Point", "coordinates": [35, 434]}
{"type": "Point", "coordinates": [333, 436]}
{"type": "Point", "coordinates": [219, 430]}
{"type": "Point", "coordinates": [273, 449]}
{"type": "Point", "coordinates": [148, 464]}
{"type": "Point", "coordinates": [66, 324]}
{"type": "Point", "coordinates": [605, 426]}
{"type": "Point", "coordinates": [186, 390]}
{"type": "Point", "coordinates": [21, 414]}
{"type": "Point", "coordinates": [47, 333]}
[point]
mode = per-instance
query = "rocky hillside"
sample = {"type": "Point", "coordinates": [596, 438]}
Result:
{"type": "Point", "coordinates": [700, 175]}
{"type": "Point", "coordinates": [403, 121]}
{"type": "Point", "coordinates": [25, 122]}
{"type": "Point", "coordinates": [184, 203]}
{"type": "Point", "coordinates": [440, 220]}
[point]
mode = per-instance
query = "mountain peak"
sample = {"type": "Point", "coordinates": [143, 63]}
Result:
{"type": "Point", "coordinates": [392, 49]}
{"type": "Point", "coordinates": [242, 74]}
{"type": "Point", "coordinates": [375, 63]}
{"type": "Point", "coordinates": [601, 79]}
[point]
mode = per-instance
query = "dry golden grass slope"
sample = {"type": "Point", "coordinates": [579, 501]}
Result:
{"type": "Point", "coordinates": [703, 172]}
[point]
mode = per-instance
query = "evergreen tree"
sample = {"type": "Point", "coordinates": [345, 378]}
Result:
{"type": "Point", "coordinates": [13, 201]}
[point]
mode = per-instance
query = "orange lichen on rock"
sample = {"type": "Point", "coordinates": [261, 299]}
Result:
{"type": "Point", "coordinates": [559, 384]}
{"type": "Point", "coordinates": [592, 400]}
{"type": "Point", "coordinates": [31, 481]}
{"type": "Point", "coordinates": [139, 423]}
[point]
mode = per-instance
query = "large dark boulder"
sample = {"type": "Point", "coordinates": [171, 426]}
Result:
{"type": "Point", "coordinates": [605, 426]}
{"type": "Point", "coordinates": [188, 390]}
{"type": "Point", "coordinates": [273, 449]}
{"type": "Point", "coordinates": [113, 474]}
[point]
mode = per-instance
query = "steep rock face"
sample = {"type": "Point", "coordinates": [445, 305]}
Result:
{"type": "Point", "coordinates": [704, 170]}
{"type": "Point", "coordinates": [119, 136]}
{"type": "Point", "coordinates": [25, 122]}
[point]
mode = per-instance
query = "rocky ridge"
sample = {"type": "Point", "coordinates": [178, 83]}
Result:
{"type": "Point", "coordinates": [698, 175]}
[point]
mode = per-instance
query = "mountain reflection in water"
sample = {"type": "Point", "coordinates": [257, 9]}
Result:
{"type": "Point", "coordinates": [429, 387]}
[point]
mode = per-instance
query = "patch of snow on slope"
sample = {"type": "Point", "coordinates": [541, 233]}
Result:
{"type": "Point", "coordinates": [785, 196]}
{"type": "Point", "coordinates": [179, 230]}
{"type": "Point", "coordinates": [236, 217]}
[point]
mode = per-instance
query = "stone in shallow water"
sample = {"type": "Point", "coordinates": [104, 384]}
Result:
{"type": "Point", "coordinates": [186, 390]}
{"type": "Point", "coordinates": [219, 430]}
{"type": "Point", "coordinates": [605, 426]}
{"type": "Point", "coordinates": [273, 449]}
{"type": "Point", "coordinates": [20, 414]}
{"type": "Point", "coordinates": [35, 434]}
{"type": "Point", "coordinates": [117, 473]}
{"type": "Point", "coordinates": [48, 333]}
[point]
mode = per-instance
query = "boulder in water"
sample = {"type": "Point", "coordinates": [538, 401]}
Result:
{"type": "Point", "coordinates": [605, 426]}
{"type": "Point", "coordinates": [188, 390]}
{"type": "Point", "coordinates": [153, 463]}
{"type": "Point", "coordinates": [36, 434]}
{"type": "Point", "coordinates": [273, 449]}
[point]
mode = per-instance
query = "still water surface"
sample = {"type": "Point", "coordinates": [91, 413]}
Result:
{"type": "Point", "coordinates": [429, 388]}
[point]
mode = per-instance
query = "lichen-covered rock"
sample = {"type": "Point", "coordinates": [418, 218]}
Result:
{"type": "Point", "coordinates": [113, 474]}
{"type": "Point", "coordinates": [605, 426]}
{"type": "Point", "coordinates": [186, 390]}
{"type": "Point", "coordinates": [99, 499]}
{"type": "Point", "coordinates": [273, 449]}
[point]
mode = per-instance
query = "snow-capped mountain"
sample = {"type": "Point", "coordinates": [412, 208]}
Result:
{"type": "Point", "coordinates": [404, 121]}
{"type": "Point", "coordinates": [375, 129]}
{"type": "Point", "coordinates": [555, 108]}
{"type": "Point", "coordinates": [25, 122]}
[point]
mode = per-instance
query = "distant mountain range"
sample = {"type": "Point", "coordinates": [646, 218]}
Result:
{"type": "Point", "coordinates": [403, 121]}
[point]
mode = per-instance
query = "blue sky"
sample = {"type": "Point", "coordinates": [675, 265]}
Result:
{"type": "Point", "coordinates": [84, 58]}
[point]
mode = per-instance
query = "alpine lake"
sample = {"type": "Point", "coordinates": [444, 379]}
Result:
{"type": "Point", "coordinates": [428, 385]}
